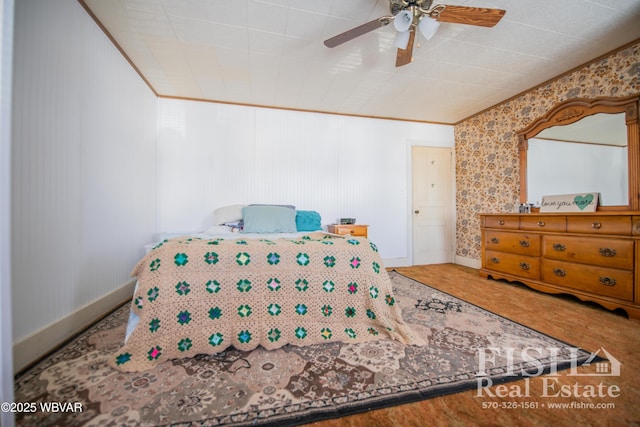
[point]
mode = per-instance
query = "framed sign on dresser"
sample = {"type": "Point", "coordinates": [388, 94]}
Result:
{"type": "Point", "coordinates": [594, 256]}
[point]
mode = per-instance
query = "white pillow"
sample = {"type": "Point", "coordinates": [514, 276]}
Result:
{"type": "Point", "coordinates": [227, 214]}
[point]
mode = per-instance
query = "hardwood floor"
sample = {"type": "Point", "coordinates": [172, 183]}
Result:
{"type": "Point", "coordinates": [581, 324]}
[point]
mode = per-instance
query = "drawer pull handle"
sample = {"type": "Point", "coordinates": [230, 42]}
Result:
{"type": "Point", "coordinates": [607, 281]}
{"type": "Point", "coordinates": [541, 224]}
{"type": "Point", "coordinates": [495, 240]}
{"type": "Point", "coordinates": [559, 247]}
{"type": "Point", "coordinates": [495, 260]}
{"type": "Point", "coordinates": [525, 266]}
{"type": "Point", "coordinates": [501, 222]}
{"type": "Point", "coordinates": [559, 272]}
{"type": "Point", "coordinates": [524, 243]}
{"type": "Point", "coordinates": [608, 252]}
{"type": "Point", "coordinates": [596, 224]}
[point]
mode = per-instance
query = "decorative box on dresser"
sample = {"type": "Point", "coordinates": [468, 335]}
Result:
{"type": "Point", "coordinates": [593, 256]}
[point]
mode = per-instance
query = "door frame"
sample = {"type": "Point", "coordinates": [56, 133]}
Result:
{"type": "Point", "coordinates": [410, 232]}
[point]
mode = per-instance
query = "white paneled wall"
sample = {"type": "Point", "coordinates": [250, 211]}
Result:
{"type": "Point", "coordinates": [84, 156]}
{"type": "Point", "coordinates": [6, 357]}
{"type": "Point", "coordinates": [212, 155]}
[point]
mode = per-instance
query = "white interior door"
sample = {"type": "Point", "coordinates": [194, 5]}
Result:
{"type": "Point", "coordinates": [432, 205]}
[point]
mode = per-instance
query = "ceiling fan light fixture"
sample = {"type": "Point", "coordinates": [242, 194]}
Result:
{"type": "Point", "coordinates": [403, 20]}
{"type": "Point", "coordinates": [428, 27]}
{"type": "Point", "coordinates": [409, 14]}
{"type": "Point", "coordinates": [402, 39]}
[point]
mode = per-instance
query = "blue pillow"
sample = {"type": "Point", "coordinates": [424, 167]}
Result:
{"type": "Point", "coordinates": [308, 221]}
{"type": "Point", "coordinates": [269, 219]}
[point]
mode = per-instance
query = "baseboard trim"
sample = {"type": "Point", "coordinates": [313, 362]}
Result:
{"type": "Point", "coordinates": [396, 262]}
{"type": "Point", "coordinates": [32, 348]}
{"type": "Point", "coordinates": [468, 262]}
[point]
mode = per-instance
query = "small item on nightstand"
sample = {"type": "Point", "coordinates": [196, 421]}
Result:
{"type": "Point", "coordinates": [347, 221]}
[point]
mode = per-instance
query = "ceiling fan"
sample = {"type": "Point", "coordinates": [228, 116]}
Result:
{"type": "Point", "coordinates": [409, 15]}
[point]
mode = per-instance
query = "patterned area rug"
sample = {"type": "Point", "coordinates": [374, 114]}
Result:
{"type": "Point", "coordinates": [291, 385]}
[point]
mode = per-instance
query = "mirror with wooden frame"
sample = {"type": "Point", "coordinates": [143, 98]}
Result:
{"type": "Point", "coordinates": [572, 111]}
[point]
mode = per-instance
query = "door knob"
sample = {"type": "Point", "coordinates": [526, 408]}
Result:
{"type": "Point", "coordinates": [416, 211]}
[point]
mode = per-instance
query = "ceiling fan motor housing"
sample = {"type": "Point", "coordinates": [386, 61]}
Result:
{"type": "Point", "coordinates": [398, 5]}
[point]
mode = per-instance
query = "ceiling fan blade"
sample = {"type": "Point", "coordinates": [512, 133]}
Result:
{"type": "Point", "coordinates": [358, 31]}
{"type": "Point", "coordinates": [481, 16]}
{"type": "Point", "coordinates": [404, 56]}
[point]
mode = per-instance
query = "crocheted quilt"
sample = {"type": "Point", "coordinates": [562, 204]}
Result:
{"type": "Point", "coordinates": [199, 296]}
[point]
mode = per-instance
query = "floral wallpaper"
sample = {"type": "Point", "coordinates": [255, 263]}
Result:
{"type": "Point", "coordinates": [487, 164]}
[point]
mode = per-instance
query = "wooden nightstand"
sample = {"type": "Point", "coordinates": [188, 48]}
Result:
{"type": "Point", "coordinates": [358, 230]}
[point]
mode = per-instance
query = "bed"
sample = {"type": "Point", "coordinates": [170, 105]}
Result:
{"type": "Point", "coordinates": [268, 285]}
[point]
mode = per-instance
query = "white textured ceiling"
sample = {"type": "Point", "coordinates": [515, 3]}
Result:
{"type": "Point", "coordinates": [271, 52]}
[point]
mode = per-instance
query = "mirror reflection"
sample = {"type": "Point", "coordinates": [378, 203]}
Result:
{"type": "Point", "coordinates": [587, 156]}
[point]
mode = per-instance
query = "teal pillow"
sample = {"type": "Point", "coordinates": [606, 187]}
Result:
{"type": "Point", "coordinates": [269, 219]}
{"type": "Point", "coordinates": [308, 221]}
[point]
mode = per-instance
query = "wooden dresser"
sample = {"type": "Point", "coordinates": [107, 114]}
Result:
{"type": "Point", "coordinates": [359, 230]}
{"type": "Point", "coordinates": [594, 256]}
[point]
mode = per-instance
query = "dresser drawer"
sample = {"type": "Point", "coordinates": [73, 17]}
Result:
{"type": "Point", "coordinates": [544, 223]}
{"type": "Point", "coordinates": [609, 282]}
{"type": "Point", "coordinates": [520, 265]}
{"type": "Point", "coordinates": [613, 253]}
{"type": "Point", "coordinates": [515, 243]}
{"type": "Point", "coordinates": [498, 221]}
{"type": "Point", "coordinates": [354, 229]}
{"type": "Point", "coordinates": [594, 224]}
